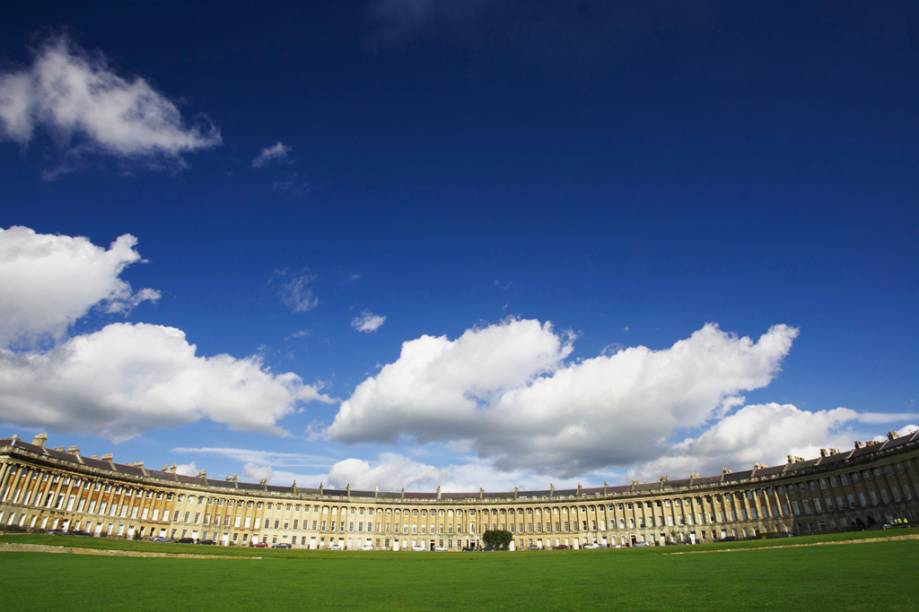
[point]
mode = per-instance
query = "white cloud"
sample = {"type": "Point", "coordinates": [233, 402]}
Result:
{"type": "Point", "coordinates": [399, 20]}
{"type": "Point", "coordinates": [130, 301]}
{"type": "Point", "coordinates": [257, 472]}
{"type": "Point", "coordinates": [125, 379]}
{"type": "Point", "coordinates": [276, 152]}
{"type": "Point", "coordinates": [507, 388]}
{"type": "Point", "coordinates": [274, 466]}
{"type": "Point", "coordinates": [388, 471]}
{"type": "Point", "coordinates": [187, 469]}
{"type": "Point", "coordinates": [75, 95]}
{"type": "Point", "coordinates": [367, 322]}
{"type": "Point", "coordinates": [295, 289]}
{"type": "Point", "coordinates": [903, 431]}
{"type": "Point", "coordinates": [259, 457]}
{"type": "Point", "coordinates": [49, 281]}
{"type": "Point", "coordinates": [435, 388]}
{"type": "Point", "coordinates": [392, 472]}
{"type": "Point", "coordinates": [764, 433]}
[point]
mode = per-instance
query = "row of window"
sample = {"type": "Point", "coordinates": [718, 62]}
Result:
{"type": "Point", "coordinates": [885, 484]}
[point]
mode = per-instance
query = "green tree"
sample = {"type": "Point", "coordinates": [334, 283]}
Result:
{"type": "Point", "coordinates": [498, 538]}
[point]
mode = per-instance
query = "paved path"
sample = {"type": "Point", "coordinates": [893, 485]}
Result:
{"type": "Point", "coordinates": [99, 552]}
{"type": "Point", "coordinates": [900, 538]}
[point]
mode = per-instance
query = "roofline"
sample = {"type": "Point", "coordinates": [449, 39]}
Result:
{"type": "Point", "coordinates": [14, 446]}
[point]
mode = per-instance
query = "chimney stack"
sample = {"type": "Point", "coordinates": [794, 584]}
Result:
{"type": "Point", "coordinates": [40, 440]}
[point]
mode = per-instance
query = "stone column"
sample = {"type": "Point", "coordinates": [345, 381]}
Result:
{"type": "Point", "coordinates": [14, 483]}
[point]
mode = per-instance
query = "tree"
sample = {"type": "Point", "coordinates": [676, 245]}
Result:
{"type": "Point", "coordinates": [497, 538]}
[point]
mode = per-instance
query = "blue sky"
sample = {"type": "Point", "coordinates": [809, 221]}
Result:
{"type": "Point", "coordinates": [626, 171]}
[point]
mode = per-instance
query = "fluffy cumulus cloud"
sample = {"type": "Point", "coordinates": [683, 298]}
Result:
{"type": "Point", "coordinates": [766, 433]}
{"type": "Point", "coordinates": [368, 322]}
{"type": "Point", "coordinates": [187, 469]}
{"type": "Point", "coordinates": [127, 378]}
{"type": "Point", "coordinates": [48, 281]}
{"type": "Point", "coordinates": [75, 95]}
{"type": "Point", "coordinates": [388, 471]}
{"type": "Point", "coordinates": [441, 389]}
{"type": "Point", "coordinates": [124, 378]}
{"type": "Point", "coordinates": [276, 152]}
{"type": "Point", "coordinates": [392, 472]}
{"type": "Point", "coordinates": [509, 390]}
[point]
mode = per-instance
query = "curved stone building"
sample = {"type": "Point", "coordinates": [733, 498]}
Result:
{"type": "Point", "coordinates": [52, 488]}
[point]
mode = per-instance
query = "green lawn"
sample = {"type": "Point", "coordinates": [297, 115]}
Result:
{"type": "Point", "coordinates": [854, 577]}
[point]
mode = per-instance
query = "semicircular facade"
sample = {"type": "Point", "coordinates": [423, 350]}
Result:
{"type": "Point", "coordinates": [53, 488]}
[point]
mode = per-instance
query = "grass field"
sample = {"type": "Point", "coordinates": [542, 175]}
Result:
{"type": "Point", "coordinates": [853, 577]}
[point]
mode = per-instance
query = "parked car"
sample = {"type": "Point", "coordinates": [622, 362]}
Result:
{"type": "Point", "coordinates": [367, 546]}
{"type": "Point", "coordinates": [533, 547]}
{"type": "Point", "coordinates": [419, 547]}
{"type": "Point", "coordinates": [592, 545]}
{"type": "Point", "coordinates": [440, 549]}
{"type": "Point", "coordinates": [159, 539]}
{"type": "Point", "coordinates": [560, 547]}
{"type": "Point", "coordinates": [281, 545]}
{"type": "Point", "coordinates": [207, 542]}
{"type": "Point", "coordinates": [260, 545]}
{"type": "Point", "coordinates": [335, 546]}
